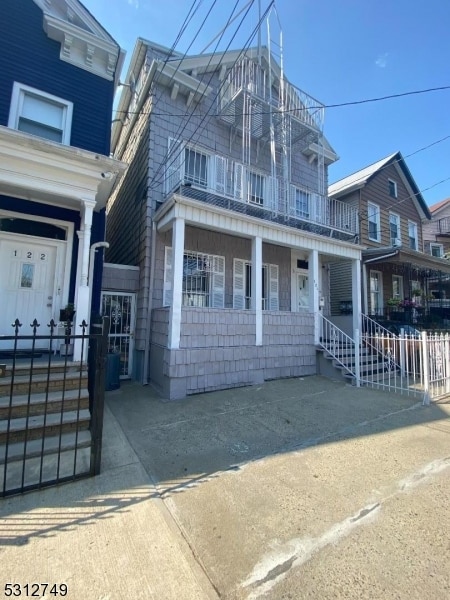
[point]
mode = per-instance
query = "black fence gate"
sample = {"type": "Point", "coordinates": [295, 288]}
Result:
{"type": "Point", "coordinates": [51, 406]}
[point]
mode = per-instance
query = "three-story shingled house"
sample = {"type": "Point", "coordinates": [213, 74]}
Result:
{"type": "Point", "coordinates": [224, 211]}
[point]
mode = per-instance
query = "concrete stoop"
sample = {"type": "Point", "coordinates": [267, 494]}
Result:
{"type": "Point", "coordinates": [44, 424]}
{"type": "Point", "coordinates": [339, 363]}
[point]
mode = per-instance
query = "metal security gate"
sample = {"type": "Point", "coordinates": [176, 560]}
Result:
{"type": "Point", "coordinates": [51, 407]}
{"type": "Point", "coordinates": [120, 308]}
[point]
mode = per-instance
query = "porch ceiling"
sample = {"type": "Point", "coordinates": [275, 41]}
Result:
{"type": "Point", "coordinates": [214, 218]}
{"type": "Point", "coordinates": [44, 171]}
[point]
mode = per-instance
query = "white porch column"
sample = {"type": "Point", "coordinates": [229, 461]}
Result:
{"type": "Point", "coordinates": [177, 283]}
{"type": "Point", "coordinates": [314, 291]}
{"type": "Point", "coordinates": [257, 287]}
{"type": "Point", "coordinates": [364, 289]}
{"type": "Point", "coordinates": [356, 294]}
{"type": "Point", "coordinates": [82, 307]}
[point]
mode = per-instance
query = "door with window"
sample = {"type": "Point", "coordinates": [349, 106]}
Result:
{"type": "Point", "coordinates": [302, 291]}
{"type": "Point", "coordinates": [120, 307]}
{"type": "Point", "coordinates": [30, 281]}
{"type": "Point", "coordinates": [376, 293]}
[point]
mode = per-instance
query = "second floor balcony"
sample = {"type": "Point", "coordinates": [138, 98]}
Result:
{"type": "Point", "coordinates": [230, 184]}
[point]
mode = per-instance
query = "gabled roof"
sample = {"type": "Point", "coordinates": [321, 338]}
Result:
{"type": "Point", "coordinates": [84, 42]}
{"type": "Point", "coordinates": [439, 206]}
{"type": "Point", "coordinates": [359, 179]}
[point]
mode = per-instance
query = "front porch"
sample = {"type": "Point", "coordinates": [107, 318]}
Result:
{"type": "Point", "coordinates": [240, 299]}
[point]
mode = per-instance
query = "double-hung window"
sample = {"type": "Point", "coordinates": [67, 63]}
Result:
{"type": "Point", "coordinates": [302, 208]}
{"type": "Point", "coordinates": [242, 285]}
{"type": "Point", "coordinates": [203, 282]}
{"type": "Point", "coordinates": [41, 114]}
{"type": "Point", "coordinates": [394, 228]}
{"type": "Point", "coordinates": [412, 235]}
{"type": "Point", "coordinates": [437, 250]}
{"type": "Point", "coordinates": [373, 215]}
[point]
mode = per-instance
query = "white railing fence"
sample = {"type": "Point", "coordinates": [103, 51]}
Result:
{"type": "Point", "coordinates": [414, 364]}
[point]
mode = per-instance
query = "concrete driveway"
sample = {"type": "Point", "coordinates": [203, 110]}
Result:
{"type": "Point", "coordinates": [302, 488]}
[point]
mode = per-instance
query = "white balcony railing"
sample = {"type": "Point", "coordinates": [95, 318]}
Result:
{"type": "Point", "coordinates": [225, 178]}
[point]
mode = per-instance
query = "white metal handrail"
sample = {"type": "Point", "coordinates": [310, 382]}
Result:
{"type": "Point", "coordinates": [339, 345]}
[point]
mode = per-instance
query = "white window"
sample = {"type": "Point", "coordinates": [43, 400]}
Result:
{"type": "Point", "coordinates": [394, 229]}
{"type": "Point", "coordinates": [203, 279]}
{"type": "Point", "coordinates": [196, 167]}
{"type": "Point", "coordinates": [40, 114]}
{"type": "Point", "coordinates": [242, 285]}
{"type": "Point", "coordinates": [397, 287]}
{"type": "Point", "coordinates": [302, 208]}
{"type": "Point", "coordinates": [376, 293]}
{"type": "Point", "coordinates": [437, 250]}
{"type": "Point", "coordinates": [256, 184]}
{"type": "Point", "coordinates": [412, 235]}
{"type": "Point", "coordinates": [392, 188]}
{"type": "Point", "coordinates": [373, 213]}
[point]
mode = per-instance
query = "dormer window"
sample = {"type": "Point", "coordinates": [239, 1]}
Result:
{"type": "Point", "coordinates": [40, 114]}
{"type": "Point", "coordinates": [392, 188]}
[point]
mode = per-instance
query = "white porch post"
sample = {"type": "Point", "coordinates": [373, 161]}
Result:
{"type": "Point", "coordinates": [82, 290]}
{"type": "Point", "coordinates": [356, 294]}
{"type": "Point", "coordinates": [177, 283]}
{"type": "Point", "coordinates": [314, 292]}
{"type": "Point", "coordinates": [257, 287]}
{"type": "Point", "coordinates": [364, 289]}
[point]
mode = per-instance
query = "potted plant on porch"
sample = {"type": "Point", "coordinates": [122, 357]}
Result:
{"type": "Point", "coordinates": [66, 316]}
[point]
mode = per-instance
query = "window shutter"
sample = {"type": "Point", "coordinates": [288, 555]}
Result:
{"type": "Point", "coordinates": [238, 180]}
{"type": "Point", "coordinates": [218, 282]}
{"type": "Point", "coordinates": [174, 165]}
{"type": "Point", "coordinates": [220, 182]}
{"type": "Point", "coordinates": [272, 193]}
{"type": "Point", "coordinates": [167, 299]}
{"type": "Point", "coordinates": [239, 284]}
{"type": "Point", "coordinates": [273, 287]}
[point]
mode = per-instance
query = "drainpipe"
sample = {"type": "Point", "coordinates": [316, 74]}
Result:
{"type": "Point", "coordinates": [145, 376]}
{"type": "Point", "coordinates": [92, 252]}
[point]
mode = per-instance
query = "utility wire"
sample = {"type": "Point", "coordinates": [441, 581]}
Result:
{"type": "Point", "coordinates": [316, 107]}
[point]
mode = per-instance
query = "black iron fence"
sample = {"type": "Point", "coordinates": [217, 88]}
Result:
{"type": "Point", "coordinates": [51, 405]}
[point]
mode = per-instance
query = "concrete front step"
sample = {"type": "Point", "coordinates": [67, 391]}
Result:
{"type": "Point", "coordinates": [48, 469]}
{"type": "Point", "coordinates": [51, 424]}
{"type": "Point", "coordinates": [41, 382]}
{"type": "Point", "coordinates": [52, 444]}
{"type": "Point", "coordinates": [40, 367]}
{"type": "Point", "coordinates": [36, 404]}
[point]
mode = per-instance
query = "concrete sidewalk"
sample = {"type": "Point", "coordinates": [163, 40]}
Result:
{"type": "Point", "coordinates": [106, 538]}
{"type": "Point", "coordinates": [300, 488]}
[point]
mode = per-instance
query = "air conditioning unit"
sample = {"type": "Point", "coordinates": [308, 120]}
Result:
{"type": "Point", "coordinates": [396, 242]}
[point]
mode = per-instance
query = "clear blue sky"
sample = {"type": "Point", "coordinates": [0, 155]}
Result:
{"type": "Point", "coordinates": [337, 51]}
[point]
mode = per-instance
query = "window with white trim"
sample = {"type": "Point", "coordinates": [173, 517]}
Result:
{"type": "Point", "coordinates": [203, 279]}
{"type": "Point", "coordinates": [242, 285]}
{"type": "Point", "coordinates": [394, 229]}
{"type": "Point", "coordinates": [437, 250]}
{"type": "Point", "coordinates": [412, 235]}
{"type": "Point", "coordinates": [373, 216]}
{"type": "Point", "coordinates": [256, 184]}
{"type": "Point", "coordinates": [38, 113]}
{"type": "Point", "coordinates": [397, 287]}
{"type": "Point", "coordinates": [392, 188]}
{"type": "Point", "coordinates": [302, 199]}
{"type": "Point", "coordinates": [196, 167]}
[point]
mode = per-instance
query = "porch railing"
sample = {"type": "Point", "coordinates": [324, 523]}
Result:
{"type": "Point", "coordinates": [341, 347]}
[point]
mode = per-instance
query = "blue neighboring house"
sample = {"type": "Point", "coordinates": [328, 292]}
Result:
{"type": "Point", "coordinates": [59, 71]}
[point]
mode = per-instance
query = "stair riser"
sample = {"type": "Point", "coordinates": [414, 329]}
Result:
{"type": "Point", "coordinates": [40, 370]}
{"type": "Point", "coordinates": [40, 408]}
{"type": "Point", "coordinates": [38, 432]}
{"type": "Point", "coordinates": [22, 388]}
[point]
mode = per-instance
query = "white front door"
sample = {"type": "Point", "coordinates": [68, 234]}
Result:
{"type": "Point", "coordinates": [302, 291]}
{"type": "Point", "coordinates": [28, 274]}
